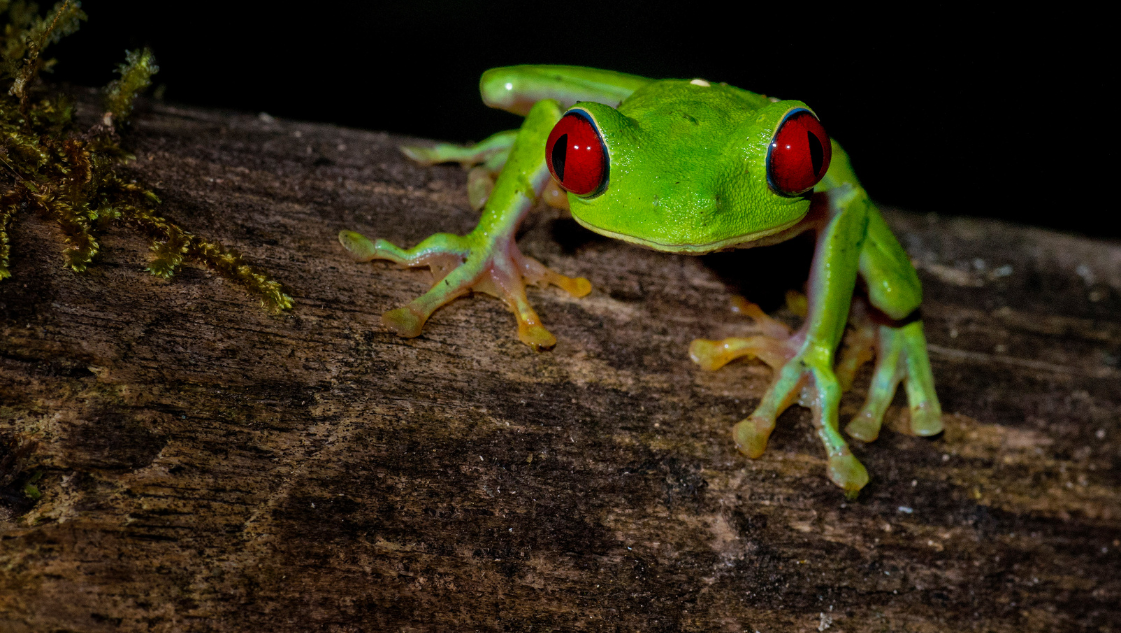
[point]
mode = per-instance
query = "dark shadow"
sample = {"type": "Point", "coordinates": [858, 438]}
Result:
{"type": "Point", "coordinates": [763, 275]}
{"type": "Point", "coordinates": [572, 237]}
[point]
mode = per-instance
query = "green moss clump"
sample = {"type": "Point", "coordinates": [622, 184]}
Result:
{"type": "Point", "coordinates": [72, 177]}
{"type": "Point", "coordinates": [136, 75]}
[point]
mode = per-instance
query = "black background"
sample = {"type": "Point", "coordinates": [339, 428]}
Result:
{"type": "Point", "coordinates": [960, 112]}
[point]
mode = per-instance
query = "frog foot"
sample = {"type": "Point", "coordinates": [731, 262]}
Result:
{"type": "Point", "coordinates": [900, 357]}
{"type": "Point", "coordinates": [484, 166]}
{"type": "Point", "coordinates": [775, 346]}
{"type": "Point", "coordinates": [484, 160]}
{"type": "Point", "coordinates": [803, 376]}
{"type": "Point", "coordinates": [462, 264]}
{"type": "Point", "coordinates": [808, 380]}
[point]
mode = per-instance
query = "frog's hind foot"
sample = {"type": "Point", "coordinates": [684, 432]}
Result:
{"type": "Point", "coordinates": [900, 356]}
{"type": "Point", "coordinates": [774, 346]}
{"type": "Point", "coordinates": [460, 267]}
{"type": "Point", "coordinates": [465, 155]}
{"type": "Point", "coordinates": [485, 161]}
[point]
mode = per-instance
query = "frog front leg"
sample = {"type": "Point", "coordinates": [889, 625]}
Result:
{"type": "Point", "coordinates": [487, 259]}
{"type": "Point", "coordinates": [804, 360]}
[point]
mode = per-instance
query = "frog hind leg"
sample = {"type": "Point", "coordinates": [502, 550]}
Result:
{"type": "Point", "coordinates": [497, 144]}
{"type": "Point", "coordinates": [901, 356]}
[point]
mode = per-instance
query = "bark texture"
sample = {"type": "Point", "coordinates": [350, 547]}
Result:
{"type": "Point", "coordinates": [205, 465]}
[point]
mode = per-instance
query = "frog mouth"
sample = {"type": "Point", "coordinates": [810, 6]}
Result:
{"type": "Point", "coordinates": [739, 241]}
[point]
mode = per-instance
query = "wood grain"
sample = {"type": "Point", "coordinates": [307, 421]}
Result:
{"type": "Point", "coordinates": [208, 466]}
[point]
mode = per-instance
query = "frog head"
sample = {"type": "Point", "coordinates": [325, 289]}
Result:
{"type": "Point", "coordinates": [689, 168]}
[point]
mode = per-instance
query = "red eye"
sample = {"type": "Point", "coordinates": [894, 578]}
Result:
{"type": "Point", "coordinates": [799, 155]}
{"type": "Point", "coordinates": [576, 155]}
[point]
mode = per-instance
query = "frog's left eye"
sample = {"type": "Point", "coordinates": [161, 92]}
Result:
{"type": "Point", "coordinates": [799, 154]}
{"type": "Point", "coordinates": [576, 155]}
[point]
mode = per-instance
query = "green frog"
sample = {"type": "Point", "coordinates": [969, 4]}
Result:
{"type": "Point", "coordinates": [692, 167]}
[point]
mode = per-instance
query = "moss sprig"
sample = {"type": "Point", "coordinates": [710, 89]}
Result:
{"type": "Point", "coordinates": [27, 35]}
{"type": "Point", "coordinates": [73, 177]}
{"type": "Point", "coordinates": [136, 75]}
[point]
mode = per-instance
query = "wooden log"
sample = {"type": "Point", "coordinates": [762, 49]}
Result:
{"type": "Point", "coordinates": [207, 465]}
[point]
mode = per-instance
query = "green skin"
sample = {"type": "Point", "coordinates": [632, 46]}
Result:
{"type": "Point", "coordinates": [688, 175]}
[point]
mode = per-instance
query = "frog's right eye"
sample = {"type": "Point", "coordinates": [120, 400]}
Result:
{"type": "Point", "coordinates": [576, 155]}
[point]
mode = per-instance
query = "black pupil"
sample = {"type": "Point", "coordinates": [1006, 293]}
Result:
{"type": "Point", "coordinates": [560, 150]}
{"type": "Point", "coordinates": [817, 152]}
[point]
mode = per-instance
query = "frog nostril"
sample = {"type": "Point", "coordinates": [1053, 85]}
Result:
{"type": "Point", "coordinates": [560, 151]}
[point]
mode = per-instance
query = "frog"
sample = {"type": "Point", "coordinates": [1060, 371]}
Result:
{"type": "Point", "coordinates": [690, 166]}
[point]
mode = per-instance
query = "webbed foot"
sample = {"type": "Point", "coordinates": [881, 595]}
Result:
{"type": "Point", "coordinates": [806, 379]}
{"type": "Point", "coordinates": [803, 376]}
{"type": "Point", "coordinates": [900, 356]}
{"type": "Point", "coordinates": [773, 347]}
{"type": "Point", "coordinates": [465, 263]}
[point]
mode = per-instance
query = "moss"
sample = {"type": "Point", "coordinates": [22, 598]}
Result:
{"type": "Point", "coordinates": [136, 75]}
{"type": "Point", "coordinates": [72, 177]}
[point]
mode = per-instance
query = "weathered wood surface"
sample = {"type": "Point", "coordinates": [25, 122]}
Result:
{"type": "Point", "coordinates": [209, 466]}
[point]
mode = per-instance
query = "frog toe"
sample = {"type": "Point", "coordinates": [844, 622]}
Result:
{"type": "Point", "coordinates": [864, 427]}
{"type": "Point", "coordinates": [359, 246]}
{"type": "Point", "coordinates": [900, 357]}
{"type": "Point", "coordinates": [427, 155]}
{"type": "Point", "coordinates": [420, 154]}
{"type": "Point", "coordinates": [751, 435]}
{"type": "Point", "coordinates": [493, 149]}
{"type": "Point", "coordinates": [460, 266]}
{"type": "Point", "coordinates": [774, 347]}
{"type": "Point", "coordinates": [926, 411]}
{"type": "Point", "coordinates": [713, 355]}
{"type": "Point", "coordinates": [404, 321]}
{"type": "Point", "coordinates": [536, 336]}
{"type": "Point", "coordinates": [480, 182]}
{"type": "Point", "coordinates": [926, 420]}
{"type": "Point", "coordinates": [846, 471]}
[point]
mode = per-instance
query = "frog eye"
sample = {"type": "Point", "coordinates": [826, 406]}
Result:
{"type": "Point", "coordinates": [576, 155]}
{"type": "Point", "coordinates": [799, 154]}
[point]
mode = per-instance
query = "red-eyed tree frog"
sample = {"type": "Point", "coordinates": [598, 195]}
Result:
{"type": "Point", "coordinates": [690, 167]}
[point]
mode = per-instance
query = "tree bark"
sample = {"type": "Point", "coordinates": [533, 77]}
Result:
{"type": "Point", "coordinates": [206, 465]}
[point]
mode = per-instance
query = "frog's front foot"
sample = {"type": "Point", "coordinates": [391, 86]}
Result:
{"type": "Point", "coordinates": [807, 379]}
{"type": "Point", "coordinates": [803, 375]}
{"type": "Point", "coordinates": [465, 263]}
